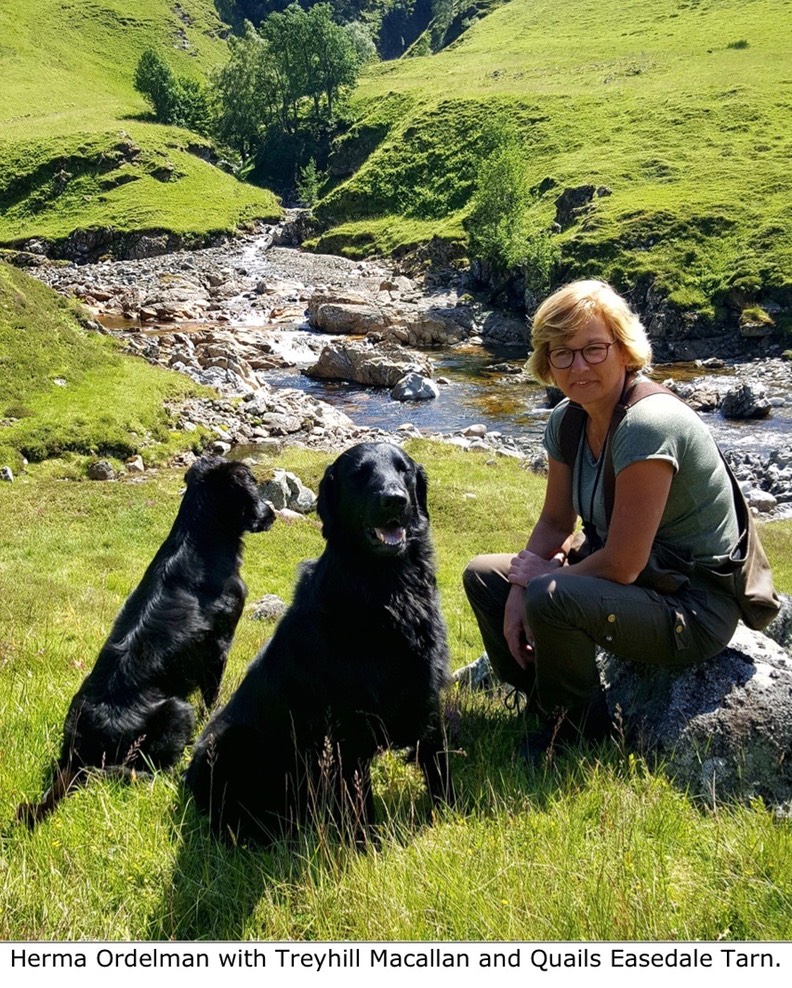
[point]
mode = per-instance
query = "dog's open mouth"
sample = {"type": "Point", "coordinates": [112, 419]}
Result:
{"type": "Point", "coordinates": [389, 538]}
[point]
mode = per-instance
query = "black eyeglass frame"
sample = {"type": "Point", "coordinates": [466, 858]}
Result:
{"type": "Point", "coordinates": [581, 350]}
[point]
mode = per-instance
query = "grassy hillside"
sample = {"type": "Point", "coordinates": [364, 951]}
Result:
{"type": "Point", "coordinates": [68, 392]}
{"type": "Point", "coordinates": [75, 149]}
{"type": "Point", "coordinates": [594, 845]}
{"type": "Point", "coordinates": [680, 108]}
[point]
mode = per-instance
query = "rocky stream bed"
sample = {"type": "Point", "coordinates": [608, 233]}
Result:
{"type": "Point", "coordinates": [324, 351]}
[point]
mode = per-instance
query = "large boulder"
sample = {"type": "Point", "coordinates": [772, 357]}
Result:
{"type": "Point", "coordinates": [722, 728]}
{"type": "Point", "coordinates": [381, 366]}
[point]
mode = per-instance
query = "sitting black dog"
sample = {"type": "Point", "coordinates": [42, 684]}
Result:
{"type": "Point", "coordinates": [357, 663]}
{"type": "Point", "coordinates": [171, 637]}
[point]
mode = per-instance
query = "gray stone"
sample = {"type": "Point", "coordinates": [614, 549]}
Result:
{"type": "Point", "coordinates": [7, 474]}
{"type": "Point", "coordinates": [270, 606]}
{"type": "Point", "coordinates": [285, 490]}
{"type": "Point", "coordinates": [745, 401]}
{"type": "Point", "coordinates": [415, 387]}
{"type": "Point", "coordinates": [722, 728]}
{"type": "Point", "coordinates": [100, 470]}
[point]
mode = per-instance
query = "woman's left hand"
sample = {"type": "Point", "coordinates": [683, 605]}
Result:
{"type": "Point", "coordinates": [526, 565]}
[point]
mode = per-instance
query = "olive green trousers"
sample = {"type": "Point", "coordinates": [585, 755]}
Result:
{"type": "Point", "coordinates": [570, 615]}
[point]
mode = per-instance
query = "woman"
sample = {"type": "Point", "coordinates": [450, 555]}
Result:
{"type": "Point", "coordinates": [541, 615]}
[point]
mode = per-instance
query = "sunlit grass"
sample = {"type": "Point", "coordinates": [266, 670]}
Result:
{"type": "Point", "coordinates": [600, 846]}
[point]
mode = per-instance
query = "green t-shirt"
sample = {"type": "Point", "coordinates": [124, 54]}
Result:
{"type": "Point", "coordinates": [699, 515]}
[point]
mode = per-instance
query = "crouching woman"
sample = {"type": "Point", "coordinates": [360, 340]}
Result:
{"type": "Point", "coordinates": [655, 531]}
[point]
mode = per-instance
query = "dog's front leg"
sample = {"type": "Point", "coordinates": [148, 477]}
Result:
{"type": "Point", "coordinates": [431, 754]}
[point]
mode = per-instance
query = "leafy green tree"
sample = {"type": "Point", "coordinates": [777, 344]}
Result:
{"type": "Point", "coordinates": [245, 94]}
{"type": "Point", "coordinates": [174, 99]}
{"type": "Point", "coordinates": [500, 230]}
{"type": "Point", "coordinates": [309, 184]}
{"type": "Point", "coordinates": [155, 81]}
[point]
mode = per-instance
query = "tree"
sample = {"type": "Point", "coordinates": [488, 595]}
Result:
{"type": "Point", "coordinates": [245, 93]}
{"type": "Point", "coordinates": [175, 100]}
{"type": "Point", "coordinates": [499, 225]}
{"type": "Point", "coordinates": [155, 81]}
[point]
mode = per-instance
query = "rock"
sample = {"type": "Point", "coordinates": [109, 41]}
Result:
{"type": "Point", "coordinates": [7, 474]}
{"type": "Point", "coordinates": [572, 203]}
{"type": "Point", "coordinates": [285, 490]}
{"type": "Point", "coordinates": [723, 727]}
{"type": "Point", "coordinates": [100, 470]}
{"type": "Point", "coordinates": [135, 464]}
{"type": "Point", "coordinates": [269, 607]}
{"type": "Point", "coordinates": [762, 501]}
{"type": "Point", "coordinates": [780, 630]}
{"type": "Point", "coordinates": [415, 387]}
{"type": "Point", "coordinates": [477, 431]}
{"type": "Point", "coordinates": [745, 401]}
{"type": "Point", "coordinates": [477, 675]}
{"type": "Point", "coordinates": [382, 366]}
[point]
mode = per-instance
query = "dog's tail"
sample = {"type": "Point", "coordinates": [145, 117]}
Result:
{"type": "Point", "coordinates": [65, 780]}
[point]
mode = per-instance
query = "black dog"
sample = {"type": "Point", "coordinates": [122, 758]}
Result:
{"type": "Point", "coordinates": [357, 663]}
{"type": "Point", "coordinates": [171, 637]}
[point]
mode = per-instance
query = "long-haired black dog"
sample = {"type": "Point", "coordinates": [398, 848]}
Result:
{"type": "Point", "coordinates": [357, 663]}
{"type": "Point", "coordinates": [171, 637]}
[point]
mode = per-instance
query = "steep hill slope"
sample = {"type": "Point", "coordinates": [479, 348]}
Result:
{"type": "Point", "coordinates": [76, 152]}
{"type": "Point", "coordinates": [681, 109]}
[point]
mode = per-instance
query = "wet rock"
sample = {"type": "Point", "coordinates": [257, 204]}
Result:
{"type": "Point", "coordinates": [415, 387]}
{"type": "Point", "coordinates": [382, 366]}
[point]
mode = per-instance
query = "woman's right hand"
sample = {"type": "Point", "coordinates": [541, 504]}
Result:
{"type": "Point", "coordinates": [515, 630]}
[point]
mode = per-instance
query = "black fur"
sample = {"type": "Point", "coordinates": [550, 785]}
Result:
{"type": "Point", "coordinates": [171, 637]}
{"type": "Point", "coordinates": [356, 663]}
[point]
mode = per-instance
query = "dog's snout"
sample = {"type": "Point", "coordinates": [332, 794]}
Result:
{"type": "Point", "coordinates": [394, 499]}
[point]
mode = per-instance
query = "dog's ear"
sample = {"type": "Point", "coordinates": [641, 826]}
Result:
{"type": "Point", "coordinates": [200, 468]}
{"type": "Point", "coordinates": [421, 488]}
{"type": "Point", "coordinates": [327, 500]}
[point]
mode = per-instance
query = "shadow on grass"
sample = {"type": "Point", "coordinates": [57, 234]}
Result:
{"type": "Point", "coordinates": [219, 891]}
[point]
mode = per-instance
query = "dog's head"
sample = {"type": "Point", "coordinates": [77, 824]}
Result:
{"type": "Point", "coordinates": [228, 490]}
{"type": "Point", "coordinates": [374, 498]}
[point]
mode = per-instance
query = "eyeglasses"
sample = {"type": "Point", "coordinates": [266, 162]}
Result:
{"type": "Point", "coordinates": [593, 353]}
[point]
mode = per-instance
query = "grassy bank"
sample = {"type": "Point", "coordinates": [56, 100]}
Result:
{"type": "Point", "coordinates": [598, 847]}
{"type": "Point", "coordinates": [69, 392]}
{"type": "Point", "coordinates": [679, 108]}
{"type": "Point", "coordinates": [76, 152]}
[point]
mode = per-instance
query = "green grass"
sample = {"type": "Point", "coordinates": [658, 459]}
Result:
{"type": "Point", "coordinates": [601, 847]}
{"type": "Point", "coordinates": [76, 152]}
{"type": "Point", "coordinates": [69, 390]}
{"type": "Point", "coordinates": [653, 99]}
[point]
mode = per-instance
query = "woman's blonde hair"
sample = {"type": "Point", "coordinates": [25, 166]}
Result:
{"type": "Point", "coordinates": [565, 313]}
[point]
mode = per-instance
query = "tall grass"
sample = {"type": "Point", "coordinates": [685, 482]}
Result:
{"type": "Point", "coordinates": [598, 845]}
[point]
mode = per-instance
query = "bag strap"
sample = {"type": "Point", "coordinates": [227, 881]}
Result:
{"type": "Point", "coordinates": [573, 425]}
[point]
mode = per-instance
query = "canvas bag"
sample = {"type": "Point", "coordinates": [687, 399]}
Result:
{"type": "Point", "coordinates": [747, 573]}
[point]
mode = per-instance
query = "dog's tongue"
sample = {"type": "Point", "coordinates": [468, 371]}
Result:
{"type": "Point", "coordinates": [394, 535]}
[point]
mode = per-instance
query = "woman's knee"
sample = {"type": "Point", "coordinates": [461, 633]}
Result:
{"type": "Point", "coordinates": [540, 597]}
